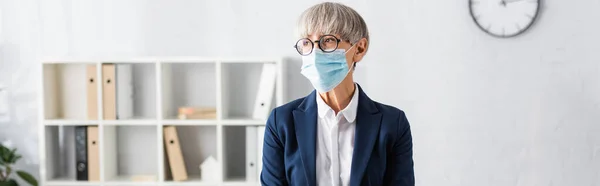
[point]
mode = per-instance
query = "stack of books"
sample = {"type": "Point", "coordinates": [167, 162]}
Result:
{"type": "Point", "coordinates": [197, 113]}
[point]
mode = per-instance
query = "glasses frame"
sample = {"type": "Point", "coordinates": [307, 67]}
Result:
{"type": "Point", "coordinates": [312, 43]}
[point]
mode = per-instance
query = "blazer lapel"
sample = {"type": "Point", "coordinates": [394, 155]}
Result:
{"type": "Point", "coordinates": [305, 123]}
{"type": "Point", "coordinates": [368, 120]}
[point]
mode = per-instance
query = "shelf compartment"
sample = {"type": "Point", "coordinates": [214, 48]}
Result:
{"type": "Point", "coordinates": [130, 152]}
{"type": "Point", "coordinates": [197, 143]}
{"type": "Point", "coordinates": [240, 86]}
{"type": "Point", "coordinates": [65, 90]}
{"type": "Point", "coordinates": [242, 153]}
{"type": "Point", "coordinates": [189, 85]}
{"type": "Point", "coordinates": [129, 91]}
{"type": "Point", "coordinates": [61, 158]}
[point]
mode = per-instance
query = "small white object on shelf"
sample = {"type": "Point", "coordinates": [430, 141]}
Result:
{"type": "Point", "coordinates": [209, 169]}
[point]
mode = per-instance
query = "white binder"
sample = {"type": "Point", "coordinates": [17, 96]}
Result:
{"type": "Point", "coordinates": [124, 83]}
{"type": "Point", "coordinates": [251, 153]}
{"type": "Point", "coordinates": [4, 115]}
{"type": "Point", "coordinates": [264, 96]}
{"type": "Point", "coordinates": [261, 138]}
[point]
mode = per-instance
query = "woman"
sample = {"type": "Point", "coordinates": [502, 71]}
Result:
{"type": "Point", "coordinates": [336, 135]}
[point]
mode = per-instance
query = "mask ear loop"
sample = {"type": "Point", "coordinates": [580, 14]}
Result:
{"type": "Point", "coordinates": [354, 62]}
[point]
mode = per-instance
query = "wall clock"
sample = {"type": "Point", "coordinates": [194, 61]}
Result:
{"type": "Point", "coordinates": [504, 18]}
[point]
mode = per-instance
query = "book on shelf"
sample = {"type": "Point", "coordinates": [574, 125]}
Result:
{"type": "Point", "coordinates": [93, 154]}
{"type": "Point", "coordinates": [197, 113]}
{"type": "Point", "coordinates": [4, 114]}
{"type": "Point", "coordinates": [260, 143]}
{"type": "Point", "coordinates": [143, 178]}
{"type": "Point", "coordinates": [266, 87]}
{"type": "Point", "coordinates": [251, 153]}
{"type": "Point", "coordinates": [117, 89]}
{"type": "Point", "coordinates": [124, 84]}
{"type": "Point", "coordinates": [174, 154]}
{"type": "Point", "coordinates": [81, 156]}
{"type": "Point", "coordinates": [87, 153]}
{"type": "Point", "coordinates": [92, 92]}
{"type": "Point", "coordinates": [254, 145]}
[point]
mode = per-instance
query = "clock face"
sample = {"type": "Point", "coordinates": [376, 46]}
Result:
{"type": "Point", "coordinates": [504, 18]}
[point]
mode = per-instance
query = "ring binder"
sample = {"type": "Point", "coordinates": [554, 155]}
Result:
{"type": "Point", "coordinates": [81, 150]}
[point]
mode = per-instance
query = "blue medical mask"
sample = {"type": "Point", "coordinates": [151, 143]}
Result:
{"type": "Point", "coordinates": [325, 71]}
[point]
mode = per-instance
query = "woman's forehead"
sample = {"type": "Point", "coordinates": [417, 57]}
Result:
{"type": "Point", "coordinates": [318, 35]}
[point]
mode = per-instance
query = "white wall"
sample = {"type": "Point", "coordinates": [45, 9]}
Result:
{"type": "Point", "coordinates": [484, 111]}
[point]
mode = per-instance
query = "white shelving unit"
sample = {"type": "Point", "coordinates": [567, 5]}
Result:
{"type": "Point", "coordinates": [134, 147]}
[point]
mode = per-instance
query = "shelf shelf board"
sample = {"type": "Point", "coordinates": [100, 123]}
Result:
{"type": "Point", "coordinates": [69, 182]}
{"type": "Point", "coordinates": [69, 122]}
{"type": "Point", "coordinates": [192, 180]}
{"type": "Point", "coordinates": [131, 183]}
{"type": "Point", "coordinates": [240, 183]}
{"type": "Point", "coordinates": [189, 183]}
{"type": "Point", "coordinates": [131, 122]}
{"type": "Point", "coordinates": [191, 122]}
{"type": "Point", "coordinates": [127, 180]}
{"type": "Point", "coordinates": [243, 122]}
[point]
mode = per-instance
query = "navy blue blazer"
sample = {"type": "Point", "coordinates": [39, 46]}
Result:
{"type": "Point", "coordinates": [382, 145]}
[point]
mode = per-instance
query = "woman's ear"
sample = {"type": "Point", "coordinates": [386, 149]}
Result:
{"type": "Point", "coordinates": [361, 49]}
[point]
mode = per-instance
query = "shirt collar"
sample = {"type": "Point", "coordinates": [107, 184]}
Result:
{"type": "Point", "coordinates": [349, 112]}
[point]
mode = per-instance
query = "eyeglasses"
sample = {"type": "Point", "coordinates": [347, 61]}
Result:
{"type": "Point", "coordinates": [327, 44]}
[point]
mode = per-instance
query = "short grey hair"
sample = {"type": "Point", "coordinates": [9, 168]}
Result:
{"type": "Point", "coordinates": [333, 18]}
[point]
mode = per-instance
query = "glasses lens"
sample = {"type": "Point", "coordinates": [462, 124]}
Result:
{"type": "Point", "coordinates": [304, 46]}
{"type": "Point", "coordinates": [328, 43]}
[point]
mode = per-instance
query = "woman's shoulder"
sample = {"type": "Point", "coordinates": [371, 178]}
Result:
{"type": "Point", "coordinates": [286, 110]}
{"type": "Point", "coordinates": [290, 106]}
{"type": "Point", "coordinates": [393, 118]}
{"type": "Point", "coordinates": [389, 110]}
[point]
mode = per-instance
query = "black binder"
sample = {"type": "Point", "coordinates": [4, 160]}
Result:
{"type": "Point", "coordinates": [81, 153]}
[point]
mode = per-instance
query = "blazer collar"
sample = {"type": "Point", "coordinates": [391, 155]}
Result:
{"type": "Point", "coordinates": [349, 113]}
{"type": "Point", "coordinates": [305, 123]}
{"type": "Point", "coordinates": [364, 101]}
{"type": "Point", "coordinates": [368, 120]}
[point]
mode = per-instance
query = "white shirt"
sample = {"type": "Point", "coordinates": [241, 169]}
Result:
{"type": "Point", "coordinates": [335, 142]}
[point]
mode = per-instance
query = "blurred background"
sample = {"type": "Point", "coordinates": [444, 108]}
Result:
{"type": "Point", "coordinates": [484, 110]}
